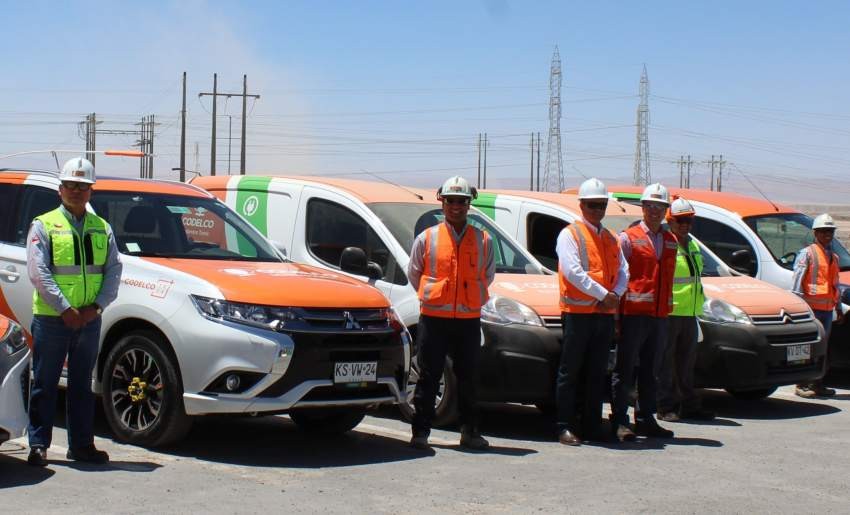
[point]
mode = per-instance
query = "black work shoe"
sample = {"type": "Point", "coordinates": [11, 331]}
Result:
{"type": "Point", "coordinates": [420, 442]}
{"type": "Point", "coordinates": [624, 434]}
{"type": "Point", "coordinates": [37, 457]}
{"type": "Point", "coordinates": [568, 438]}
{"type": "Point", "coordinates": [649, 427]}
{"type": "Point", "coordinates": [823, 391]}
{"type": "Point", "coordinates": [697, 414]}
{"type": "Point", "coordinates": [88, 454]}
{"type": "Point", "coordinates": [668, 416]}
{"type": "Point", "coordinates": [471, 439]}
{"type": "Point", "coordinates": [805, 392]}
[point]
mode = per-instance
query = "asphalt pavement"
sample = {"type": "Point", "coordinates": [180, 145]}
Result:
{"type": "Point", "coordinates": [780, 455]}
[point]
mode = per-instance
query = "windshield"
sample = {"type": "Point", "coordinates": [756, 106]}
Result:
{"type": "Point", "coordinates": [405, 221]}
{"type": "Point", "coordinates": [619, 223]}
{"type": "Point", "coordinates": [784, 234]}
{"type": "Point", "coordinates": [176, 226]}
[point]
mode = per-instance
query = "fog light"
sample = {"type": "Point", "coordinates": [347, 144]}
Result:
{"type": "Point", "coordinates": [232, 383]}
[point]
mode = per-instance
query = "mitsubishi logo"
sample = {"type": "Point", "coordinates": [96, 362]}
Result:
{"type": "Point", "coordinates": [350, 321]}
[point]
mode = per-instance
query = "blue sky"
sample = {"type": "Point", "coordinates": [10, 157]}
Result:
{"type": "Point", "coordinates": [402, 89]}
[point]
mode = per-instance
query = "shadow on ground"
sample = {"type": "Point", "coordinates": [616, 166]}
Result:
{"type": "Point", "coordinates": [14, 470]}
{"type": "Point", "coordinates": [771, 408]}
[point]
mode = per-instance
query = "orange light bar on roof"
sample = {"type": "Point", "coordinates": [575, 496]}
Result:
{"type": "Point", "coordinates": [125, 153]}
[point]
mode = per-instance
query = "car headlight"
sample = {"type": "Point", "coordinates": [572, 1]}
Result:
{"type": "Point", "coordinates": [721, 312]}
{"type": "Point", "coordinates": [503, 311]}
{"type": "Point", "coordinates": [13, 339]}
{"type": "Point", "coordinates": [264, 317]}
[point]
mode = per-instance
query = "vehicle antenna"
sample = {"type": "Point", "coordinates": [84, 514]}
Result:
{"type": "Point", "coordinates": [420, 197]}
{"type": "Point", "coordinates": [756, 187]}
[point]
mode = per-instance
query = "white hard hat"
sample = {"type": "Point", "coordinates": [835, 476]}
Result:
{"type": "Point", "coordinates": [681, 207]}
{"type": "Point", "coordinates": [591, 189]}
{"type": "Point", "coordinates": [655, 193]}
{"type": "Point", "coordinates": [456, 186]}
{"type": "Point", "coordinates": [77, 169]}
{"type": "Point", "coordinates": [823, 221]}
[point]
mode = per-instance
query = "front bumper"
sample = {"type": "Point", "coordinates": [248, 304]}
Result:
{"type": "Point", "coordinates": [14, 394]}
{"type": "Point", "coordinates": [290, 370]}
{"type": "Point", "coordinates": [749, 357]}
{"type": "Point", "coordinates": [519, 363]}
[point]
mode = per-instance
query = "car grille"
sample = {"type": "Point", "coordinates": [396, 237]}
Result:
{"type": "Point", "coordinates": [336, 320]}
{"type": "Point", "coordinates": [782, 318]}
{"type": "Point", "coordinates": [788, 339]}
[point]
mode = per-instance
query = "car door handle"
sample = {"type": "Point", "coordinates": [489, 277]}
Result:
{"type": "Point", "coordinates": [9, 274]}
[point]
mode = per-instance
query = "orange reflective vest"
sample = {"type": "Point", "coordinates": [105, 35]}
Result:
{"type": "Point", "coordinates": [600, 258]}
{"type": "Point", "coordinates": [454, 276]}
{"type": "Point", "coordinates": [650, 290]}
{"type": "Point", "coordinates": [820, 282]}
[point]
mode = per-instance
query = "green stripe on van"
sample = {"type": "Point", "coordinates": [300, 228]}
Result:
{"type": "Point", "coordinates": [252, 202]}
{"type": "Point", "coordinates": [486, 203]}
{"type": "Point", "coordinates": [629, 196]}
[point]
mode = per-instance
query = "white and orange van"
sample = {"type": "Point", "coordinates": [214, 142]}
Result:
{"type": "Point", "coordinates": [367, 230]}
{"type": "Point", "coordinates": [14, 379]}
{"type": "Point", "coordinates": [210, 318]}
{"type": "Point", "coordinates": [761, 239]}
{"type": "Point", "coordinates": [756, 336]}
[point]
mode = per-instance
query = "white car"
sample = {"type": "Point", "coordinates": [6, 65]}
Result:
{"type": "Point", "coordinates": [14, 380]}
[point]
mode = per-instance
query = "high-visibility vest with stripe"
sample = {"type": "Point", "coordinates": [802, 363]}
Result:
{"type": "Point", "coordinates": [650, 289]}
{"type": "Point", "coordinates": [454, 276]}
{"type": "Point", "coordinates": [600, 258]}
{"type": "Point", "coordinates": [77, 261]}
{"type": "Point", "coordinates": [820, 282]}
{"type": "Point", "coordinates": [688, 296]}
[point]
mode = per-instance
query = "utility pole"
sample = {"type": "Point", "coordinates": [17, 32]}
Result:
{"type": "Point", "coordinates": [197, 159]}
{"type": "Point", "coordinates": [711, 179]}
{"type": "Point", "coordinates": [538, 161]}
{"type": "Point", "coordinates": [91, 133]}
{"type": "Point", "coordinates": [244, 96]}
{"type": "Point", "coordinates": [531, 170]}
{"type": "Point", "coordinates": [486, 144]}
{"type": "Point", "coordinates": [681, 163]}
{"type": "Point", "coordinates": [478, 179]}
{"type": "Point", "coordinates": [183, 134]}
{"type": "Point", "coordinates": [688, 176]}
{"type": "Point", "coordinates": [720, 173]}
{"type": "Point", "coordinates": [146, 133]}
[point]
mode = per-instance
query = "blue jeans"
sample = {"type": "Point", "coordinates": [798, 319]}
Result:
{"type": "Point", "coordinates": [53, 341]}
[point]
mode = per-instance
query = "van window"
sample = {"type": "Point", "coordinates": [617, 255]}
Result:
{"type": "Point", "coordinates": [725, 241]}
{"type": "Point", "coordinates": [331, 228]}
{"type": "Point", "coordinates": [541, 234]}
{"type": "Point", "coordinates": [35, 201]}
{"type": "Point", "coordinates": [784, 234]}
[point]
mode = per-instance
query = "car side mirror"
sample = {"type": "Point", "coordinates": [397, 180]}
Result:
{"type": "Point", "coordinates": [353, 260]}
{"type": "Point", "coordinates": [741, 260]}
{"type": "Point", "coordinates": [374, 270]}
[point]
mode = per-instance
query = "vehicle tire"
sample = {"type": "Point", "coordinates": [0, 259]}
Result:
{"type": "Point", "coordinates": [142, 392]}
{"type": "Point", "coordinates": [446, 410]}
{"type": "Point", "coordinates": [751, 395]}
{"type": "Point", "coordinates": [327, 421]}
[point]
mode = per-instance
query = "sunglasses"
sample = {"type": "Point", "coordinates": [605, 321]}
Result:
{"type": "Point", "coordinates": [457, 201]}
{"type": "Point", "coordinates": [599, 206]}
{"type": "Point", "coordinates": [79, 186]}
{"type": "Point", "coordinates": [655, 206]}
{"type": "Point", "coordinates": [689, 220]}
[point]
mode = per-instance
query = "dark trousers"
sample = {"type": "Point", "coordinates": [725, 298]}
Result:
{"type": "Point", "coordinates": [584, 361]}
{"type": "Point", "coordinates": [459, 338]}
{"type": "Point", "coordinates": [676, 367]}
{"type": "Point", "coordinates": [825, 318]}
{"type": "Point", "coordinates": [53, 341]}
{"type": "Point", "coordinates": [641, 340]}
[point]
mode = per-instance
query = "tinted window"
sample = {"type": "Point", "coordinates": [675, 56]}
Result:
{"type": "Point", "coordinates": [331, 228]}
{"type": "Point", "coordinates": [7, 202]}
{"type": "Point", "coordinates": [727, 243]}
{"type": "Point", "coordinates": [542, 233]}
{"type": "Point", "coordinates": [34, 202]}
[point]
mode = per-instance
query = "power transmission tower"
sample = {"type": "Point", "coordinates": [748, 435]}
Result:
{"type": "Point", "coordinates": [720, 164]}
{"type": "Point", "coordinates": [215, 94]}
{"type": "Point", "coordinates": [145, 141]}
{"type": "Point", "coordinates": [146, 146]}
{"type": "Point", "coordinates": [681, 163]}
{"type": "Point", "coordinates": [688, 176]}
{"type": "Point", "coordinates": [642, 176]}
{"type": "Point", "coordinates": [90, 126]}
{"type": "Point", "coordinates": [553, 174]}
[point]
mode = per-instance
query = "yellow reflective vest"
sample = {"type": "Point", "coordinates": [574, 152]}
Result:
{"type": "Point", "coordinates": [77, 261]}
{"type": "Point", "coordinates": [688, 296]}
